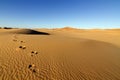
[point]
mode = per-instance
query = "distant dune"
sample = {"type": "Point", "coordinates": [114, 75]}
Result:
{"type": "Point", "coordinates": [59, 54]}
{"type": "Point", "coordinates": [26, 31]}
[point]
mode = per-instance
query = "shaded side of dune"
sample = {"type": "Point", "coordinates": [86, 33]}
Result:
{"type": "Point", "coordinates": [28, 32]}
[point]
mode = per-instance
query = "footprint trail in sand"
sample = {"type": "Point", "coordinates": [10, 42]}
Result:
{"type": "Point", "coordinates": [31, 67]}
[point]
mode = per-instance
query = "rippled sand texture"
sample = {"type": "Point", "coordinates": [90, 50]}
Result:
{"type": "Point", "coordinates": [59, 54]}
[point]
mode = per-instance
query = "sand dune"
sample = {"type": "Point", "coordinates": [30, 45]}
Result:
{"type": "Point", "coordinates": [26, 31]}
{"type": "Point", "coordinates": [62, 55]}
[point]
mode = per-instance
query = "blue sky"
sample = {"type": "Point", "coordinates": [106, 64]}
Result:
{"type": "Point", "coordinates": [60, 13]}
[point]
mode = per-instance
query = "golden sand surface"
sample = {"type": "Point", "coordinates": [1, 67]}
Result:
{"type": "Point", "coordinates": [59, 54]}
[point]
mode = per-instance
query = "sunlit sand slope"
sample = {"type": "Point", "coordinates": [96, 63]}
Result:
{"type": "Point", "coordinates": [59, 55]}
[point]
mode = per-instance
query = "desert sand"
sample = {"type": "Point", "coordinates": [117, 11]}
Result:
{"type": "Point", "coordinates": [59, 54]}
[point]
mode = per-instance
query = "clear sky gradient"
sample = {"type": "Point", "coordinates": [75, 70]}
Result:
{"type": "Point", "coordinates": [60, 13]}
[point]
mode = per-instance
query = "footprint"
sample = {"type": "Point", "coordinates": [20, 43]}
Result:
{"type": "Point", "coordinates": [33, 68]}
{"type": "Point", "coordinates": [30, 66]}
{"type": "Point", "coordinates": [22, 42]}
{"type": "Point", "coordinates": [22, 47]}
{"type": "Point", "coordinates": [33, 53]}
{"type": "Point", "coordinates": [14, 40]}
